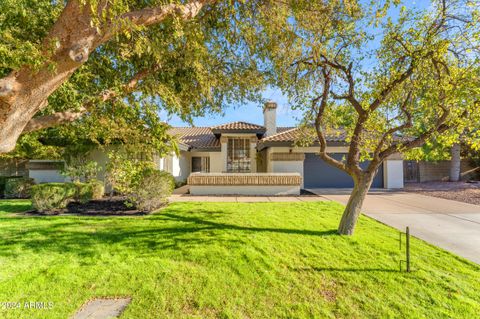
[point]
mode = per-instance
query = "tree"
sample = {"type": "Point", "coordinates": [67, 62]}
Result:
{"type": "Point", "coordinates": [391, 84]}
{"type": "Point", "coordinates": [455, 163]}
{"type": "Point", "coordinates": [59, 62]}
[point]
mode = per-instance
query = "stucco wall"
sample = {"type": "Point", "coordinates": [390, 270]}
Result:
{"type": "Point", "coordinates": [288, 167]}
{"type": "Point", "coordinates": [181, 166]}
{"type": "Point", "coordinates": [101, 157]}
{"type": "Point", "coordinates": [216, 162]}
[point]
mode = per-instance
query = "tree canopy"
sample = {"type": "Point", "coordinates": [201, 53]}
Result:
{"type": "Point", "coordinates": [391, 77]}
{"type": "Point", "coordinates": [124, 62]}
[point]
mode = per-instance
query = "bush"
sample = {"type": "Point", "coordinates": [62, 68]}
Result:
{"type": "Point", "coordinates": [94, 189]}
{"type": "Point", "coordinates": [18, 187]}
{"type": "Point", "coordinates": [122, 172]}
{"type": "Point", "coordinates": [52, 196]}
{"type": "Point", "coordinates": [152, 189]}
{"type": "Point", "coordinates": [3, 181]}
{"type": "Point", "coordinates": [98, 188]}
{"type": "Point", "coordinates": [83, 192]}
{"type": "Point", "coordinates": [179, 184]}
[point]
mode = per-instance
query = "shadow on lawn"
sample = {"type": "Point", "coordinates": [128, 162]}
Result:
{"type": "Point", "coordinates": [145, 236]}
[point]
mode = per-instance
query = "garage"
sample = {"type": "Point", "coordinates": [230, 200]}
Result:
{"type": "Point", "coordinates": [318, 174]}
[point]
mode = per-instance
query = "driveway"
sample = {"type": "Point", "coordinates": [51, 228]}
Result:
{"type": "Point", "coordinates": [451, 225]}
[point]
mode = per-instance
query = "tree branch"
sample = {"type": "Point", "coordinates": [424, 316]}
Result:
{"type": "Point", "coordinates": [318, 123]}
{"type": "Point", "coordinates": [55, 119]}
{"type": "Point", "coordinates": [149, 16]}
{"type": "Point", "coordinates": [407, 124]}
{"type": "Point", "coordinates": [439, 127]}
{"type": "Point", "coordinates": [390, 87]}
{"type": "Point", "coordinates": [350, 96]}
{"type": "Point", "coordinates": [59, 118]}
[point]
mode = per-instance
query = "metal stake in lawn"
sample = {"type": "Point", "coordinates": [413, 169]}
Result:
{"type": "Point", "coordinates": [407, 250]}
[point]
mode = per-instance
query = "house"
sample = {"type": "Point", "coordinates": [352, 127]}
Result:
{"type": "Point", "coordinates": [247, 158]}
{"type": "Point", "coordinates": [217, 159]}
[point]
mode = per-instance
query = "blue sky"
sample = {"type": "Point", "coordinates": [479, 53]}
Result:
{"type": "Point", "coordinates": [252, 112]}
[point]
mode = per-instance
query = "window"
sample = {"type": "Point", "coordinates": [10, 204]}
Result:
{"type": "Point", "coordinates": [238, 155]}
{"type": "Point", "coordinates": [200, 164]}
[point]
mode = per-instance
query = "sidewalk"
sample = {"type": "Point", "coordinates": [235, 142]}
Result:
{"type": "Point", "coordinates": [245, 199]}
{"type": "Point", "coordinates": [180, 195]}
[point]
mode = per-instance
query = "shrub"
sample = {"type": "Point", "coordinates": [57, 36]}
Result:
{"type": "Point", "coordinates": [52, 196]}
{"type": "Point", "coordinates": [83, 192]}
{"type": "Point", "coordinates": [152, 189]}
{"type": "Point", "coordinates": [123, 172]}
{"type": "Point", "coordinates": [98, 188]}
{"type": "Point", "coordinates": [94, 189]}
{"type": "Point", "coordinates": [179, 184]}
{"type": "Point", "coordinates": [18, 187]}
{"type": "Point", "coordinates": [3, 181]}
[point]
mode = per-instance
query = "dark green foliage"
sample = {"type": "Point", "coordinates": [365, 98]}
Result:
{"type": "Point", "coordinates": [3, 181]}
{"type": "Point", "coordinates": [18, 187]}
{"type": "Point", "coordinates": [51, 196]}
{"type": "Point", "coordinates": [152, 189]}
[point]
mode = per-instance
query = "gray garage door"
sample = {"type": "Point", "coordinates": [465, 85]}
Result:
{"type": "Point", "coordinates": [318, 174]}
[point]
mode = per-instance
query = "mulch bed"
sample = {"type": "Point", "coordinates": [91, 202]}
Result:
{"type": "Point", "coordinates": [103, 207]}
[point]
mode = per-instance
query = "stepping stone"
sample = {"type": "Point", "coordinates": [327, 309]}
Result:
{"type": "Point", "coordinates": [102, 308]}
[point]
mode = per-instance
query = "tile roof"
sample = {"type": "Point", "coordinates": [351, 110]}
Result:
{"type": "Point", "coordinates": [235, 126]}
{"type": "Point", "coordinates": [196, 137]}
{"type": "Point", "coordinates": [204, 138]}
{"type": "Point", "coordinates": [292, 134]}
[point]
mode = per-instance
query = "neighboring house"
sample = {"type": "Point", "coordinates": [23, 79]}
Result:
{"type": "Point", "coordinates": [240, 147]}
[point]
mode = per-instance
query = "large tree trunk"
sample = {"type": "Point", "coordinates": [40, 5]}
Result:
{"type": "Point", "coordinates": [455, 163]}
{"type": "Point", "coordinates": [354, 205]}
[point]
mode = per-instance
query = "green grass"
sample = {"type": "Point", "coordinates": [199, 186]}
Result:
{"type": "Point", "coordinates": [228, 260]}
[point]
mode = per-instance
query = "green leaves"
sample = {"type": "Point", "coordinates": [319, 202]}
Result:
{"type": "Point", "coordinates": [405, 67]}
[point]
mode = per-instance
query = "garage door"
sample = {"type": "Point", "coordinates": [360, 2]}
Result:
{"type": "Point", "coordinates": [318, 174]}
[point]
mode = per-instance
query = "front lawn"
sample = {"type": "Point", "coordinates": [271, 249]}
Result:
{"type": "Point", "coordinates": [228, 260]}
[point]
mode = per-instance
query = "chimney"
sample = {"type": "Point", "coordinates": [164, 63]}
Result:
{"type": "Point", "coordinates": [270, 118]}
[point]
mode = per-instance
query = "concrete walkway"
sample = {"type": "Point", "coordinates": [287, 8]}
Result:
{"type": "Point", "coordinates": [181, 195]}
{"type": "Point", "coordinates": [452, 225]}
{"type": "Point", "coordinates": [245, 199]}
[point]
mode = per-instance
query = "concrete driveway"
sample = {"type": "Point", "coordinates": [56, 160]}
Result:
{"type": "Point", "coordinates": [448, 224]}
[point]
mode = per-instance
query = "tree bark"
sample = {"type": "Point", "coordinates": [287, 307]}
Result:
{"type": "Point", "coordinates": [355, 202]}
{"type": "Point", "coordinates": [455, 163]}
{"type": "Point", "coordinates": [24, 92]}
